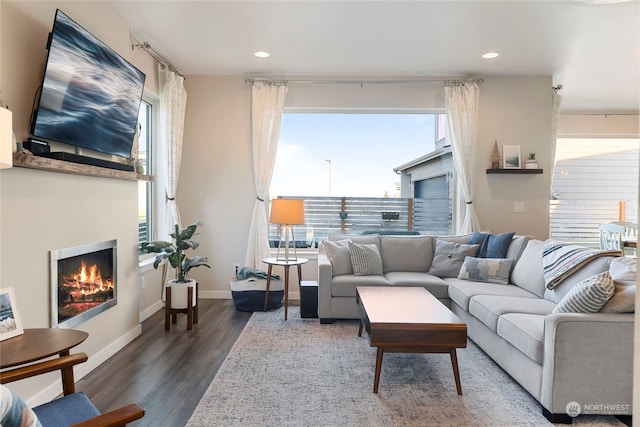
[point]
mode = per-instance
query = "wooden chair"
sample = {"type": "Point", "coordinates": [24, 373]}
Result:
{"type": "Point", "coordinates": [72, 409]}
{"type": "Point", "coordinates": [611, 236]}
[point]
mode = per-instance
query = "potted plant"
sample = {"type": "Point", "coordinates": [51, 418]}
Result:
{"type": "Point", "coordinates": [174, 252]}
{"type": "Point", "coordinates": [531, 162]}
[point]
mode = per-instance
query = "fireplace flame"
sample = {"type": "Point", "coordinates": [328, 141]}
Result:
{"type": "Point", "coordinates": [87, 281]}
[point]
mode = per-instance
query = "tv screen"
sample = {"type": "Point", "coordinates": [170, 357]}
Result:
{"type": "Point", "coordinates": [90, 95]}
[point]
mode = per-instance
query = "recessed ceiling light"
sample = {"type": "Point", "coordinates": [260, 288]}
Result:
{"type": "Point", "coordinates": [490, 55]}
{"type": "Point", "coordinates": [262, 54]}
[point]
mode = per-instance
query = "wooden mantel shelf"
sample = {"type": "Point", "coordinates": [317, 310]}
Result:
{"type": "Point", "coordinates": [512, 171]}
{"type": "Point", "coordinates": [24, 160]}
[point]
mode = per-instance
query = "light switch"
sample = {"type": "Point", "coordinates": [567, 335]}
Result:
{"type": "Point", "coordinates": [518, 207]}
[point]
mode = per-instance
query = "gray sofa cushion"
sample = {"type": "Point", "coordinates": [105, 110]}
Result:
{"type": "Point", "coordinates": [518, 243]}
{"type": "Point", "coordinates": [449, 256]}
{"type": "Point", "coordinates": [623, 272]}
{"type": "Point", "coordinates": [438, 287]}
{"type": "Point", "coordinates": [462, 238]}
{"type": "Point", "coordinates": [345, 285]}
{"type": "Point", "coordinates": [527, 273]}
{"type": "Point", "coordinates": [338, 254]}
{"type": "Point", "coordinates": [461, 291]}
{"type": "Point", "coordinates": [406, 253]}
{"type": "Point", "coordinates": [364, 239]}
{"type": "Point", "coordinates": [525, 332]}
{"type": "Point", "coordinates": [488, 308]}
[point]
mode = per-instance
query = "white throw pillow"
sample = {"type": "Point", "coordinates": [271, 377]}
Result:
{"type": "Point", "coordinates": [623, 272]}
{"type": "Point", "coordinates": [365, 259]}
{"type": "Point", "coordinates": [588, 296]}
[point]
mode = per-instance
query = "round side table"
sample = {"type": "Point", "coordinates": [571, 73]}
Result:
{"type": "Point", "coordinates": [286, 264]}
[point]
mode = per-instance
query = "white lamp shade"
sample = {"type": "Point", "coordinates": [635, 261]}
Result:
{"type": "Point", "coordinates": [287, 211]}
{"type": "Point", "coordinates": [6, 140]}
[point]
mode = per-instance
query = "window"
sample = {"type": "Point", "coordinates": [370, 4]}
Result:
{"type": "Point", "coordinates": [333, 160]}
{"type": "Point", "coordinates": [595, 181]}
{"type": "Point", "coordinates": [325, 154]}
{"type": "Point", "coordinates": [145, 229]}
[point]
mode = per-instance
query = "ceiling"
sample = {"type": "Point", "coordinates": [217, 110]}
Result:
{"type": "Point", "coordinates": [591, 49]}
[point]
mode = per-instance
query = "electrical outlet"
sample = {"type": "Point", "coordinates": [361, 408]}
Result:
{"type": "Point", "coordinates": [518, 207]}
{"type": "Point", "coordinates": [236, 268]}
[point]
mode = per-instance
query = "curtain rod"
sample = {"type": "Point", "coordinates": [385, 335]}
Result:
{"type": "Point", "coordinates": [155, 55]}
{"type": "Point", "coordinates": [363, 82]}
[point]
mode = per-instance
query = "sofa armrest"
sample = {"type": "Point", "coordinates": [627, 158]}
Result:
{"type": "Point", "coordinates": [588, 359]}
{"type": "Point", "coordinates": [325, 275]}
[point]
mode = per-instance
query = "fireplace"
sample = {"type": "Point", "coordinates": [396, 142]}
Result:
{"type": "Point", "coordinates": [83, 282]}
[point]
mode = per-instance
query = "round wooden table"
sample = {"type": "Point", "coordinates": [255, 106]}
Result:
{"type": "Point", "coordinates": [38, 344]}
{"type": "Point", "coordinates": [286, 264]}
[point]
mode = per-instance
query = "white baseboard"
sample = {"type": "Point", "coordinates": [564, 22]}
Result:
{"type": "Point", "coordinates": [149, 311]}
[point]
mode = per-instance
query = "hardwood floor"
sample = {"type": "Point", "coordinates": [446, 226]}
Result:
{"type": "Point", "coordinates": [167, 372]}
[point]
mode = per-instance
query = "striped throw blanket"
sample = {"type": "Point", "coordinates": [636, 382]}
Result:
{"type": "Point", "coordinates": [560, 260]}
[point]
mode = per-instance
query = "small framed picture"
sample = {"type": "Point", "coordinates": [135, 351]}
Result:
{"type": "Point", "coordinates": [511, 158]}
{"type": "Point", "coordinates": [10, 324]}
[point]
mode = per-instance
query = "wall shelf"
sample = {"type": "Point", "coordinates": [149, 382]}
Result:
{"type": "Point", "coordinates": [24, 160]}
{"type": "Point", "coordinates": [516, 171]}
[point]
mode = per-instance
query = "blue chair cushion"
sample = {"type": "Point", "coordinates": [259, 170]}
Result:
{"type": "Point", "coordinates": [66, 410]}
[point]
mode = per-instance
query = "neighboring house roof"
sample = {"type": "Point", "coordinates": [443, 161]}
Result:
{"type": "Point", "coordinates": [437, 153]}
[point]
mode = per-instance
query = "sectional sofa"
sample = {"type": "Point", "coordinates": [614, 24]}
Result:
{"type": "Point", "coordinates": [558, 318]}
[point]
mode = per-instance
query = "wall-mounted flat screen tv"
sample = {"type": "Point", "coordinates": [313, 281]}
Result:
{"type": "Point", "coordinates": [90, 95]}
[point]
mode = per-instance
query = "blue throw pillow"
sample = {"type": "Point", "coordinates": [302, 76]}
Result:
{"type": "Point", "coordinates": [491, 245]}
{"type": "Point", "coordinates": [480, 239]}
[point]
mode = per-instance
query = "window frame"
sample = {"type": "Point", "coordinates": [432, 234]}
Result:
{"type": "Point", "coordinates": [153, 170]}
{"type": "Point", "coordinates": [439, 130]}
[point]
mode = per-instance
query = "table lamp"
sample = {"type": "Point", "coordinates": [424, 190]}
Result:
{"type": "Point", "coordinates": [6, 139]}
{"type": "Point", "coordinates": [285, 213]}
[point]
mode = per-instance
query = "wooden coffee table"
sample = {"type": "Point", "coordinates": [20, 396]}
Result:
{"type": "Point", "coordinates": [409, 320]}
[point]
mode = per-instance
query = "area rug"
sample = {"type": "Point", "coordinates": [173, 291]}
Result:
{"type": "Point", "coordinates": [301, 373]}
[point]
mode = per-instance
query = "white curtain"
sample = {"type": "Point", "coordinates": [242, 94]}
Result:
{"type": "Point", "coordinates": [267, 103]}
{"type": "Point", "coordinates": [173, 101]}
{"type": "Point", "coordinates": [461, 102]}
{"type": "Point", "coordinates": [555, 113]}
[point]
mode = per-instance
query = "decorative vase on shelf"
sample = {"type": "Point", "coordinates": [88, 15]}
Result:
{"type": "Point", "coordinates": [531, 162]}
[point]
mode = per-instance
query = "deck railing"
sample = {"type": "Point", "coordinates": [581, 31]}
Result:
{"type": "Point", "coordinates": [360, 215]}
{"type": "Point", "coordinates": [577, 221]}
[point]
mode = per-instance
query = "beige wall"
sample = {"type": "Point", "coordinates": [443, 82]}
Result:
{"type": "Point", "coordinates": [216, 184]}
{"type": "Point", "coordinates": [598, 125]}
{"type": "Point", "coordinates": [514, 111]}
{"type": "Point", "coordinates": [41, 211]}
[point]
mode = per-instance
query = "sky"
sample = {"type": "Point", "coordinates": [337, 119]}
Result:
{"type": "Point", "coordinates": [363, 149]}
